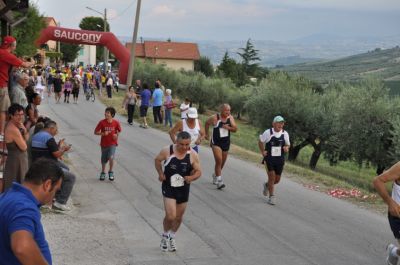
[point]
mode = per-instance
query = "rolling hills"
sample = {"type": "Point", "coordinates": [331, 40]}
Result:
{"type": "Point", "coordinates": [380, 63]}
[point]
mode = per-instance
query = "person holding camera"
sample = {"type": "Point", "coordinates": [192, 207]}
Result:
{"type": "Point", "coordinates": [44, 145]}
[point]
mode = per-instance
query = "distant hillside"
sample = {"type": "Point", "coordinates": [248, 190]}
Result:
{"type": "Point", "coordinates": [290, 60]}
{"type": "Point", "coordinates": [272, 53]}
{"type": "Point", "coordinates": [379, 63]}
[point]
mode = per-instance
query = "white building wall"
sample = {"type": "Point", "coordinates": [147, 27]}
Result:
{"type": "Point", "coordinates": [87, 55]}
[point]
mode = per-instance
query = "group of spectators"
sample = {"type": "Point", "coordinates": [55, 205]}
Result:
{"type": "Point", "coordinates": [25, 145]}
{"type": "Point", "coordinates": [33, 170]}
{"type": "Point", "coordinates": [25, 135]}
{"type": "Point", "coordinates": [159, 98]}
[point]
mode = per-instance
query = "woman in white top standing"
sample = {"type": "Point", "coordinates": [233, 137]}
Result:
{"type": "Point", "coordinates": [184, 108]}
{"type": "Point", "coordinates": [39, 87]}
{"type": "Point", "coordinates": [129, 103]}
{"type": "Point", "coordinates": [168, 106]}
{"type": "Point", "coordinates": [191, 125]}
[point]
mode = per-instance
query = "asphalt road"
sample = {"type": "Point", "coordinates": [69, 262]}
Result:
{"type": "Point", "coordinates": [232, 226]}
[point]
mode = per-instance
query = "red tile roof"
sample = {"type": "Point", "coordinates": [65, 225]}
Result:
{"type": "Point", "coordinates": [166, 50]}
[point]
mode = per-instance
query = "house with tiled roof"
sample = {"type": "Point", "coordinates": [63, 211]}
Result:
{"type": "Point", "coordinates": [175, 55]}
{"type": "Point", "coordinates": [50, 21]}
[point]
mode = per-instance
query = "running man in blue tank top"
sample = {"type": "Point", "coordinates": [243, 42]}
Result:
{"type": "Point", "coordinates": [181, 167]}
{"type": "Point", "coordinates": [273, 144]}
{"type": "Point", "coordinates": [223, 124]}
{"type": "Point", "coordinates": [393, 202]}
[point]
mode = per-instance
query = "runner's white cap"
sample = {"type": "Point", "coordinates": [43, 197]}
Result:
{"type": "Point", "coordinates": [279, 119]}
{"type": "Point", "coordinates": [192, 113]}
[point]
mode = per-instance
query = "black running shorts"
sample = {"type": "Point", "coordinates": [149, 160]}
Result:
{"type": "Point", "coordinates": [223, 145]}
{"type": "Point", "coordinates": [275, 165]}
{"type": "Point", "coordinates": [180, 194]}
{"type": "Point", "coordinates": [394, 225]}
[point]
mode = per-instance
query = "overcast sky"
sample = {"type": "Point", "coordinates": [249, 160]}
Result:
{"type": "Point", "coordinates": [236, 19]}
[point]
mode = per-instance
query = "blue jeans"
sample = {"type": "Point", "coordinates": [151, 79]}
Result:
{"type": "Point", "coordinates": [168, 117]}
{"type": "Point", "coordinates": [67, 185]}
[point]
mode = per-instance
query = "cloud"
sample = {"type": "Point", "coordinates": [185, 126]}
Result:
{"type": "Point", "coordinates": [235, 8]}
{"type": "Point", "coordinates": [112, 13]}
{"type": "Point", "coordinates": [345, 5]}
{"type": "Point", "coordinates": [167, 10]}
{"type": "Point", "coordinates": [236, 19]}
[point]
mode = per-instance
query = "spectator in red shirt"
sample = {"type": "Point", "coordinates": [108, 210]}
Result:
{"type": "Point", "coordinates": [7, 61]}
{"type": "Point", "coordinates": [109, 129]}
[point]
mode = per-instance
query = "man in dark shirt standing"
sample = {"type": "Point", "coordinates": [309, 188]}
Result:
{"type": "Point", "coordinates": [22, 239]}
{"type": "Point", "coordinates": [57, 84]}
{"type": "Point", "coordinates": [44, 145]}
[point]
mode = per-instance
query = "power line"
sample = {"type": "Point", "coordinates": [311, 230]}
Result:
{"type": "Point", "coordinates": [123, 11]}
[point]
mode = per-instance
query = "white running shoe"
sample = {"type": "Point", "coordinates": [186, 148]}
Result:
{"type": "Point", "coordinates": [215, 180]}
{"type": "Point", "coordinates": [164, 244]}
{"type": "Point", "coordinates": [60, 206]}
{"type": "Point", "coordinates": [220, 185]}
{"type": "Point", "coordinates": [391, 259]}
{"type": "Point", "coordinates": [172, 244]}
{"type": "Point", "coordinates": [272, 200]}
{"type": "Point", "coordinates": [265, 189]}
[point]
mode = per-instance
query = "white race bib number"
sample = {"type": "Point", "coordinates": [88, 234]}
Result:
{"type": "Point", "coordinates": [223, 132]}
{"type": "Point", "coordinates": [177, 181]}
{"type": "Point", "coordinates": [276, 151]}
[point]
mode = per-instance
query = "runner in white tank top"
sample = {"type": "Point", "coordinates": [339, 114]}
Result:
{"type": "Point", "coordinates": [393, 202]}
{"type": "Point", "coordinates": [194, 133]}
{"type": "Point", "coordinates": [191, 125]}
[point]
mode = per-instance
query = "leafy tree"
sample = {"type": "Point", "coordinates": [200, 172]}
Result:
{"type": "Point", "coordinates": [69, 51]}
{"type": "Point", "coordinates": [237, 99]}
{"type": "Point", "coordinates": [309, 116]}
{"type": "Point", "coordinates": [95, 24]}
{"type": "Point", "coordinates": [249, 57]}
{"type": "Point", "coordinates": [395, 132]}
{"type": "Point", "coordinates": [229, 68]}
{"type": "Point", "coordinates": [28, 31]}
{"type": "Point", "coordinates": [365, 114]}
{"type": "Point", "coordinates": [204, 66]}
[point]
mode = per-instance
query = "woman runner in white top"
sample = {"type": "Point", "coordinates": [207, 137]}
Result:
{"type": "Point", "coordinates": [190, 125]}
{"type": "Point", "coordinates": [39, 87]}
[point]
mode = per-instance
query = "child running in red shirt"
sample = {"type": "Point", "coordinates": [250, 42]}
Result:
{"type": "Point", "coordinates": [109, 129]}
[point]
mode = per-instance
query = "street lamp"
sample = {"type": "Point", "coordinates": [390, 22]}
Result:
{"type": "Point", "coordinates": [105, 55]}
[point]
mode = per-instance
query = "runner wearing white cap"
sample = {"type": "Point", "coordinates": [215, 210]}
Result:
{"type": "Point", "coordinates": [191, 125]}
{"type": "Point", "coordinates": [273, 144]}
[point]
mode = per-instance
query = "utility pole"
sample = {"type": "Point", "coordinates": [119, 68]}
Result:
{"type": "Point", "coordinates": [105, 48]}
{"type": "Point", "coordinates": [129, 80]}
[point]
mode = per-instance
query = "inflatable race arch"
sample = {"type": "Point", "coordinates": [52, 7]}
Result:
{"type": "Point", "coordinates": [89, 37]}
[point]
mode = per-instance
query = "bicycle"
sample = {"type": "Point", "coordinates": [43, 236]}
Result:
{"type": "Point", "coordinates": [90, 94]}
